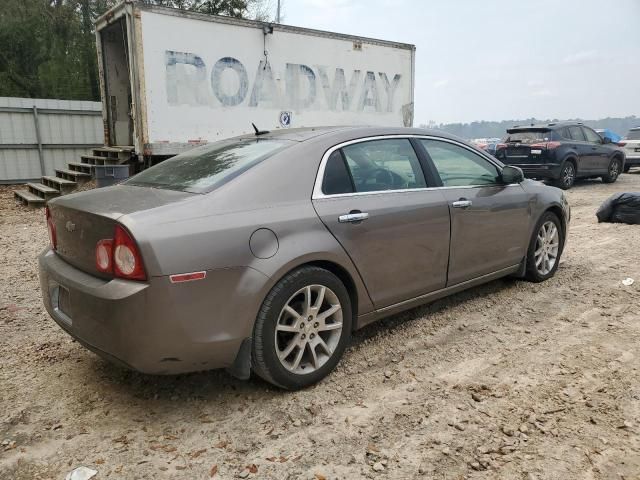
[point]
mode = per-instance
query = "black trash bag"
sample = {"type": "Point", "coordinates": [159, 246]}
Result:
{"type": "Point", "coordinates": [621, 208]}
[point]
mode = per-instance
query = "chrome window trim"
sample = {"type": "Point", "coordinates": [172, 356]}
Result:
{"type": "Point", "coordinates": [317, 186]}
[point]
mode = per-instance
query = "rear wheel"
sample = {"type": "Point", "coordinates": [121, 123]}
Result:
{"type": "Point", "coordinates": [567, 176]}
{"type": "Point", "coordinates": [545, 248]}
{"type": "Point", "coordinates": [613, 172]}
{"type": "Point", "coordinates": [302, 329]}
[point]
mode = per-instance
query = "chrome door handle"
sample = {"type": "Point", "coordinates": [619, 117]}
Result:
{"type": "Point", "coordinates": [353, 217]}
{"type": "Point", "coordinates": [461, 204]}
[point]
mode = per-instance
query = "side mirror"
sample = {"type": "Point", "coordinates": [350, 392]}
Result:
{"type": "Point", "coordinates": [511, 174]}
{"type": "Point", "coordinates": [606, 140]}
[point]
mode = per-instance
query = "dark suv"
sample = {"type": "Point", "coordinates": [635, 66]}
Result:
{"type": "Point", "coordinates": [561, 152]}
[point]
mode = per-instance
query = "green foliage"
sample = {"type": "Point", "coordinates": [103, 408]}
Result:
{"type": "Point", "coordinates": [232, 8]}
{"type": "Point", "coordinates": [47, 47]}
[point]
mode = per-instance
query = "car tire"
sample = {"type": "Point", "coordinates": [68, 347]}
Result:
{"type": "Point", "coordinates": [288, 324]}
{"type": "Point", "coordinates": [613, 171]}
{"type": "Point", "coordinates": [567, 176]}
{"type": "Point", "coordinates": [627, 168]}
{"type": "Point", "coordinates": [547, 242]}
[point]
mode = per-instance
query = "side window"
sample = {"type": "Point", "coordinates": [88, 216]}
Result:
{"type": "Point", "coordinates": [459, 167]}
{"type": "Point", "coordinates": [379, 165]}
{"type": "Point", "coordinates": [592, 136]}
{"type": "Point", "coordinates": [336, 176]}
{"type": "Point", "coordinates": [576, 133]}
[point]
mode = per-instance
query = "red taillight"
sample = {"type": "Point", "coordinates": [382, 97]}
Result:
{"type": "Point", "coordinates": [622, 144]}
{"type": "Point", "coordinates": [104, 256]}
{"type": "Point", "coordinates": [127, 261]}
{"type": "Point", "coordinates": [53, 240]}
{"type": "Point", "coordinates": [120, 256]}
{"type": "Point", "coordinates": [546, 145]}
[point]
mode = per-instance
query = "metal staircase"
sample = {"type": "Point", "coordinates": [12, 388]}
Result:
{"type": "Point", "coordinates": [68, 179]}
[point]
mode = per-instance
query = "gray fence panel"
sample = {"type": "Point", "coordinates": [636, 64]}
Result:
{"type": "Point", "coordinates": [67, 129]}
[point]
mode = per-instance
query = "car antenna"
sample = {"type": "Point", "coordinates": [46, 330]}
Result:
{"type": "Point", "coordinates": [259, 132]}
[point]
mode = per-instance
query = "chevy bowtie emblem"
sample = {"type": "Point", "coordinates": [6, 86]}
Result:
{"type": "Point", "coordinates": [70, 226]}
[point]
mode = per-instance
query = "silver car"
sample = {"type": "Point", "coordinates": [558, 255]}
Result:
{"type": "Point", "coordinates": [265, 252]}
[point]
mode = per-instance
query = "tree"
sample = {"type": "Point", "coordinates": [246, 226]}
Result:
{"type": "Point", "coordinates": [47, 47]}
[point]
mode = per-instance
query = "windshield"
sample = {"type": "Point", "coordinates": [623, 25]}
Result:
{"type": "Point", "coordinates": [633, 135]}
{"type": "Point", "coordinates": [528, 136]}
{"type": "Point", "coordinates": [205, 168]}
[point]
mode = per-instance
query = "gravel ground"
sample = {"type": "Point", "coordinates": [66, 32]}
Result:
{"type": "Point", "coordinates": [510, 380]}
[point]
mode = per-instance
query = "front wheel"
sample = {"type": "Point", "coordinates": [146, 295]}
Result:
{"type": "Point", "coordinates": [545, 248]}
{"type": "Point", "coordinates": [567, 176]}
{"type": "Point", "coordinates": [302, 329]}
{"type": "Point", "coordinates": [613, 172]}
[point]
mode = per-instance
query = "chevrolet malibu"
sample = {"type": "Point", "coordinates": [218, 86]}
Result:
{"type": "Point", "coordinates": [265, 252]}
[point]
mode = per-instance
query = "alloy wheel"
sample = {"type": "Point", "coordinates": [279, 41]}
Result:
{"type": "Point", "coordinates": [568, 174]}
{"type": "Point", "coordinates": [614, 170]}
{"type": "Point", "coordinates": [547, 247]}
{"type": "Point", "coordinates": [309, 328]}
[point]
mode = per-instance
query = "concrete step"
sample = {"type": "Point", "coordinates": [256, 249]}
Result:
{"type": "Point", "coordinates": [43, 191]}
{"type": "Point", "coordinates": [65, 186]}
{"type": "Point", "coordinates": [94, 160]}
{"type": "Point", "coordinates": [121, 153]}
{"type": "Point", "coordinates": [116, 148]}
{"type": "Point", "coordinates": [72, 175]}
{"type": "Point", "coordinates": [81, 167]}
{"type": "Point", "coordinates": [29, 199]}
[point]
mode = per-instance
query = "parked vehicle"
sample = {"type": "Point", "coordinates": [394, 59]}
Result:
{"type": "Point", "coordinates": [173, 79]}
{"type": "Point", "coordinates": [265, 252]}
{"type": "Point", "coordinates": [487, 144]}
{"type": "Point", "coordinates": [606, 133]}
{"type": "Point", "coordinates": [631, 146]}
{"type": "Point", "coordinates": [561, 152]}
{"type": "Point", "coordinates": [492, 145]}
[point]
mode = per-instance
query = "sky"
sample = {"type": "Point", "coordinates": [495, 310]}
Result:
{"type": "Point", "coordinates": [502, 59]}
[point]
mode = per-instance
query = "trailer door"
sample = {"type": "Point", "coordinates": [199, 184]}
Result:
{"type": "Point", "coordinates": [117, 79]}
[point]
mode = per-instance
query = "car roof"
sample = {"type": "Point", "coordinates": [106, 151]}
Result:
{"type": "Point", "coordinates": [544, 126]}
{"type": "Point", "coordinates": [356, 131]}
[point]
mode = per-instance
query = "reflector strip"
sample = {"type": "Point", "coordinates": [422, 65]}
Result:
{"type": "Point", "coordinates": [187, 277]}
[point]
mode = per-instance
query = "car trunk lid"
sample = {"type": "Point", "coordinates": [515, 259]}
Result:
{"type": "Point", "coordinates": [526, 146]}
{"type": "Point", "coordinates": [83, 219]}
{"type": "Point", "coordinates": [631, 147]}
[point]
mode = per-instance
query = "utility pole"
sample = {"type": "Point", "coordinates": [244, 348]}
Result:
{"type": "Point", "coordinates": [278, 13]}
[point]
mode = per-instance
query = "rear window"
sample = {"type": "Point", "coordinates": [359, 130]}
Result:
{"type": "Point", "coordinates": [205, 168]}
{"type": "Point", "coordinates": [633, 135]}
{"type": "Point", "coordinates": [529, 136]}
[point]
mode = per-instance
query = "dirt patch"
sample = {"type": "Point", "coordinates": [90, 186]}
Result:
{"type": "Point", "coordinates": [508, 380]}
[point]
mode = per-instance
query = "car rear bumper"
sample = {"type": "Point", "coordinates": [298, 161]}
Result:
{"type": "Point", "coordinates": [154, 327]}
{"type": "Point", "coordinates": [632, 160]}
{"type": "Point", "coordinates": [540, 170]}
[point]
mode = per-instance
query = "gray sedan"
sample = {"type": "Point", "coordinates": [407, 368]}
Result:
{"type": "Point", "coordinates": [265, 252]}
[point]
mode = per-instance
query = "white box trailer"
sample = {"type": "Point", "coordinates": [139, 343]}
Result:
{"type": "Point", "coordinates": [172, 79]}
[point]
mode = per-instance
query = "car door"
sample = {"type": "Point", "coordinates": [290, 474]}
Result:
{"type": "Point", "coordinates": [373, 196]}
{"type": "Point", "coordinates": [598, 153]}
{"type": "Point", "coordinates": [586, 163]}
{"type": "Point", "coordinates": [489, 220]}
